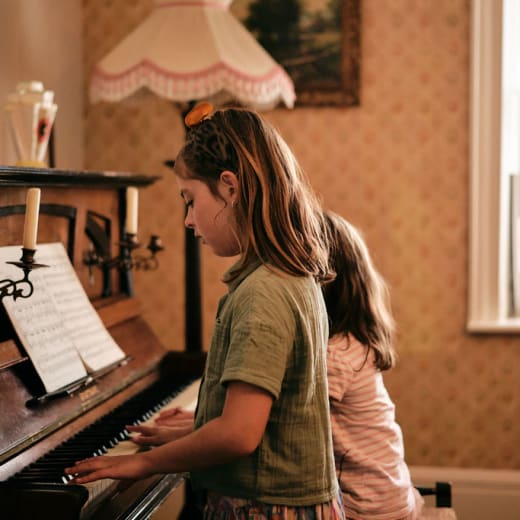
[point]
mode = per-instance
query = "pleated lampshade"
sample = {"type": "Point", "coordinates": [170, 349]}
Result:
{"type": "Point", "coordinates": [193, 49]}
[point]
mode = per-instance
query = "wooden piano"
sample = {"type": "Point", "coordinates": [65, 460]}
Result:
{"type": "Point", "coordinates": [83, 210]}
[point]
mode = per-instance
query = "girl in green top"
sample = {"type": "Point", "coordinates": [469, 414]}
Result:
{"type": "Point", "coordinates": [261, 443]}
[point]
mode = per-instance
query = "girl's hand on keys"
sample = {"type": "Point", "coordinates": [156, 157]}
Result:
{"type": "Point", "coordinates": [124, 467]}
{"type": "Point", "coordinates": [175, 416]}
{"type": "Point", "coordinates": [157, 435]}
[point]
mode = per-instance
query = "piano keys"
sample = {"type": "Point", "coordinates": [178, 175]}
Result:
{"type": "Point", "coordinates": [106, 436]}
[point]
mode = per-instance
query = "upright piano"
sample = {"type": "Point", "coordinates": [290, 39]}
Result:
{"type": "Point", "coordinates": [41, 436]}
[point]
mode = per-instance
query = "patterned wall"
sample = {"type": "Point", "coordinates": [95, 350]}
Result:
{"type": "Point", "coordinates": [397, 167]}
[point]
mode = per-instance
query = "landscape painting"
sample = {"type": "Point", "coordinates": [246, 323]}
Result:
{"type": "Point", "coordinates": [316, 41]}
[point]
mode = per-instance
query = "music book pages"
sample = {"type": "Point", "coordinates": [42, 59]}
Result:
{"type": "Point", "coordinates": [58, 326]}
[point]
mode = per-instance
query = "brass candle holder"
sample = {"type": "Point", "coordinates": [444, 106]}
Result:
{"type": "Point", "coordinates": [128, 260]}
{"type": "Point", "coordinates": [22, 288]}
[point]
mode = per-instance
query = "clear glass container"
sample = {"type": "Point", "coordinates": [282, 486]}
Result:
{"type": "Point", "coordinates": [30, 112]}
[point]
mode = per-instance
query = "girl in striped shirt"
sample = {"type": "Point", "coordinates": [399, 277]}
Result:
{"type": "Point", "coordinates": [368, 443]}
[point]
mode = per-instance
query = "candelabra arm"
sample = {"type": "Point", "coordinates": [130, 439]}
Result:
{"type": "Point", "coordinates": [22, 288]}
{"type": "Point", "coordinates": [15, 289]}
{"type": "Point", "coordinates": [127, 260]}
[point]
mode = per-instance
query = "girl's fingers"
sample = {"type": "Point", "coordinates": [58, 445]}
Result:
{"type": "Point", "coordinates": [122, 467]}
{"type": "Point", "coordinates": [171, 412]}
{"type": "Point", "coordinates": [151, 435]}
{"type": "Point", "coordinates": [90, 467]}
{"type": "Point", "coordinates": [90, 477]}
{"type": "Point", "coordinates": [143, 430]}
{"type": "Point", "coordinates": [173, 421]}
{"type": "Point", "coordinates": [178, 412]}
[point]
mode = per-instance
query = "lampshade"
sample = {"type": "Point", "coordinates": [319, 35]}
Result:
{"type": "Point", "coordinates": [192, 49]}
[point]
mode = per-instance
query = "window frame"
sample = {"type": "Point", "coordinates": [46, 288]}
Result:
{"type": "Point", "coordinates": [488, 284]}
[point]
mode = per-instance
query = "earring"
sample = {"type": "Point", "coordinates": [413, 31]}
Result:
{"type": "Point", "coordinates": [233, 203]}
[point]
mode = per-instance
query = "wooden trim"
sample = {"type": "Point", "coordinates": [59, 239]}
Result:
{"type": "Point", "coordinates": [47, 177]}
{"type": "Point", "coordinates": [485, 276]}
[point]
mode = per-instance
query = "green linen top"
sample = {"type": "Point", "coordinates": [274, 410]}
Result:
{"type": "Point", "coordinates": [271, 331]}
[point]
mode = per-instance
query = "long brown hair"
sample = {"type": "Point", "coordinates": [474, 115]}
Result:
{"type": "Point", "coordinates": [278, 216]}
{"type": "Point", "coordinates": [357, 299]}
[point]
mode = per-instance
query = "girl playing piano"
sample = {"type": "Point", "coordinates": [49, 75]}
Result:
{"type": "Point", "coordinates": [261, 446]}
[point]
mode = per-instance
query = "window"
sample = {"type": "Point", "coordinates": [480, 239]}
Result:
{"type": "Point", "coordinates": [494, 156]}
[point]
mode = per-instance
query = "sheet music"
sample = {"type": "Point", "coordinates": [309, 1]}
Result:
{"type": "Point", "coordinates": [93, 342]}
{"type": "Point", "coordinates": [41, 330]}
{"type": "Point", "coordinates": [58, 304]}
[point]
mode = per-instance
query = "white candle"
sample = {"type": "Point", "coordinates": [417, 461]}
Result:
{"type": "Point", "coordinates": [32, 209]}
{"type": "Point", "coordinates": [131, 210]}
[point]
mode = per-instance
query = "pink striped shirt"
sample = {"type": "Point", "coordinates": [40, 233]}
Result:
{"type": "Point", "coordinates": [368, 443]}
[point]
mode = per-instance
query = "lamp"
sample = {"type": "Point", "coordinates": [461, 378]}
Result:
{"type": "Point", "coordinates": [187, 50]}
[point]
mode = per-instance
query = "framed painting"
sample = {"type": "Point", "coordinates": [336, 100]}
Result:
{"type": "Point", "coordinates": [318, 42]}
